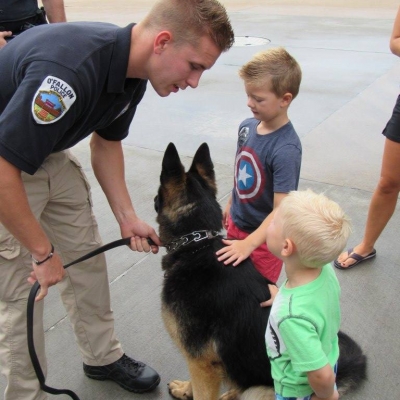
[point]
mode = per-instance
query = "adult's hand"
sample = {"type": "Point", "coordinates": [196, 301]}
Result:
{"type": "Point", "coordinates": [3, 35]}
{"type": "Point", "coordinates": [109, 168]}
{"type": "Point", "coordinates": [16, 215]}
{"type": "Point", "coordinates": [140, 231]}
{"type": "Point", "coordinates": [47, 274]}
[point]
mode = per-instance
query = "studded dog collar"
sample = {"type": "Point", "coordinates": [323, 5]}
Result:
{"type": "Point", "coordinates": [184, 240]}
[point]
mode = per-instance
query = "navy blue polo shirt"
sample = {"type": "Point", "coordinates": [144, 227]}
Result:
{"type": "Point", "coordinates": [61, 82]}
{"type": "Point", "coordinates": [15, 10]}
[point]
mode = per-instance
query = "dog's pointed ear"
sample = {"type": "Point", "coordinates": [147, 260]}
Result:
{"type": "Point", "coordinates": [202, 163]}
{"type": "Point", "coordinates": [203, 166]}
{"type": "Point", "coordinates": [171, 164]}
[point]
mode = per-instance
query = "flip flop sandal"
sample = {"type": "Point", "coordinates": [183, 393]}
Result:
{"type": "Point", "coordinates": [359, 259]}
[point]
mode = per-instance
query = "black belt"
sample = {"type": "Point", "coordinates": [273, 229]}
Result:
{"type": "Point", "coordinates": [30, 306]}
{"type": "Point", "coordinates": [17, 27]}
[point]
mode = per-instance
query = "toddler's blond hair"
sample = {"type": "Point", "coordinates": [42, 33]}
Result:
{"type": "Point", "coordinates": [318, 226]}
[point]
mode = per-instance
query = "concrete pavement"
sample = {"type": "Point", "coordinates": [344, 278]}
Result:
{"type": "Point", "coordinates": [350, 83]}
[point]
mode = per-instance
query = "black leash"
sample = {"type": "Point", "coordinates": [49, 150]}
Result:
{"type": "Point", "coordinates": [182, 241]}
{"type": "Point", "coordinates": [30, 306]}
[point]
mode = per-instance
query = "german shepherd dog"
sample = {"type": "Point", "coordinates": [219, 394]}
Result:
{"type": "Point", "coordinates": [213, 311]}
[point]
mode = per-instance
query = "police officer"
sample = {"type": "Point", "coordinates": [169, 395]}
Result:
{"type": "Point", "coordinates": [16, 16]}
{"type": "Point", "coordinates": [51, 97]}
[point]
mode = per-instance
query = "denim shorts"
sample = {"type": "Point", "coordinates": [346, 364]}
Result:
{"type": "Point", "coordinates": [279, 397]}
{"type": "Point", "coordinates": [392, 130]}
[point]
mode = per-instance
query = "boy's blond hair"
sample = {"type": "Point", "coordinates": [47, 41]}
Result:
{"type": "Point", "coordinates": [189, 20]}
{"type": "Point", "coordinates": [318, 227]}
{"type": "Point", "coordinates": [274, 65]}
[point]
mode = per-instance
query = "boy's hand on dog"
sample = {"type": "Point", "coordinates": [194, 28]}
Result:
{"type": "Point", "coordinates": [273, 290]}
{"type": "Point", "coordinates": [235, 252]}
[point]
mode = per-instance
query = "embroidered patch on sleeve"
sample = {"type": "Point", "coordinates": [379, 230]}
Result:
{"type": "Point", "coordinates": [52, 100]}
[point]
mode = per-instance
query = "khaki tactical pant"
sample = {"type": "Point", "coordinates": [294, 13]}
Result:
{"type": "Point", "coordinates": [59, 196]}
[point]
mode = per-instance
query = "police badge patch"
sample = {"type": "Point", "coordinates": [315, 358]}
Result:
{"type": "Point", "coordinates": [52, 100]}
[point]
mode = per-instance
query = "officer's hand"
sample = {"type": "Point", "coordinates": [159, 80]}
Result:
{"type": "Point", "coordinates": [140, 231]}
{"type": "Point", "coordinates": [47, 274]}
{"type": "Point", "coordinates": [3, 35]}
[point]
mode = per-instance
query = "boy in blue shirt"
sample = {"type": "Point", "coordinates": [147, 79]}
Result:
{"type": "Point", "coordinates": [268, 158]}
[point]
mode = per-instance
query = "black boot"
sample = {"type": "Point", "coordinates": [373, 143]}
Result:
{"type": "Point", "coordinates": [130, 374]}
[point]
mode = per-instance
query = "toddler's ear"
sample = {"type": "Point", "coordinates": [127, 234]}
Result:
{"type": "Point", "coordinates": [288, 248]}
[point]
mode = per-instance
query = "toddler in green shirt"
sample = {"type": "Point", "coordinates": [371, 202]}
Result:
{"type": "Point", "coordinates": [307, 232]}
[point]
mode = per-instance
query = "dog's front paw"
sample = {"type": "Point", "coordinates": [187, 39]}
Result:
{"type": "Point", "coordinates": [181, 390]}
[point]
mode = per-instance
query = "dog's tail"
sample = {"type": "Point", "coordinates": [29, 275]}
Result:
{"type": "Point", "coordinates": [352, 365]}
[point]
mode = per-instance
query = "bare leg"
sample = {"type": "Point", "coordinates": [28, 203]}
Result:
{"type": "Point", "coordinates": [258, 393]}
{"type": "Point", "coordinates": [383, 202]}
{"type": "Point", "coordinates": [232, 394]}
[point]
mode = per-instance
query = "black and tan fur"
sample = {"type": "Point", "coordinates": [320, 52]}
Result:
{"type": "Point", "coordinates": [212, 311]}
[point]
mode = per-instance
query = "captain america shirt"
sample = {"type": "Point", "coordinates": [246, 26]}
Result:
{"type": "Point", "coordinates": [264, 165]}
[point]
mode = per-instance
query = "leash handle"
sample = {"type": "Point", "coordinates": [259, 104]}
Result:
{"type": "Point", "coordinates": [106, 247]}
{"type": "Point", "coordinates": [29, 317]}
{"type": "Point", "coordinates": [32, 352]}
{"type": "Point", "coordinates": [101, 249]}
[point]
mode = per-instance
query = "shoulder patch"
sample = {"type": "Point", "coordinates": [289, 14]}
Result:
{"type": "Point", "coordinates": [52, 100]}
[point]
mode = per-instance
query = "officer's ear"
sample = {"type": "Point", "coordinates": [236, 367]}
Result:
{"type": "Point", "coordinates": [161, 41]}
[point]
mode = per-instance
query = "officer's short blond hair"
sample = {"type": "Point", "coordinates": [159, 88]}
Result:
{"type": "Point", "coordinates": [316, 225]}
{"type": "Point", "coordinates": [189, 20]}
{"type": "Point", "coordinates": [274, 65]}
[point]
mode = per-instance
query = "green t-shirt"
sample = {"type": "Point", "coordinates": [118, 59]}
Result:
{"type": "Point", "coordinates": [301, 335]}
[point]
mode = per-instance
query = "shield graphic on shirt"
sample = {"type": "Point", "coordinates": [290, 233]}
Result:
{"type": "Point", "coordinates": [48, 106]}
{"type": "Point", "coordinates": [249, 175]}
{"type": "Point", "coordinates": [52, 100]}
